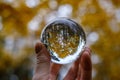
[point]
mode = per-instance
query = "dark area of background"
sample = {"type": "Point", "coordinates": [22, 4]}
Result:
{"type": "Point", "coordinates": [21, 22]}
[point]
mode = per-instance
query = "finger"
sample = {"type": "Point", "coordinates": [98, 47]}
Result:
{"type": "Point", "coordinates": [72, 73]}
{"type": "Point", "coordinates": [85, 65]}
{"type": "Point", "coordinates": [41, 70]}
{"type": "Point", "coordinates": [42, 54]}
{"type": "Point", "coordinates": [79, 70]}
{"type": "Point", "coordinates": [54, 70]}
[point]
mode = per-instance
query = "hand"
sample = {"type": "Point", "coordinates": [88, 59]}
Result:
{"type": "Point", "coordinates": [46, 70]}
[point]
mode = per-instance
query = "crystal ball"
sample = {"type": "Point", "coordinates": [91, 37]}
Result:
{"type": "Point", "coordinates": [64, 39]}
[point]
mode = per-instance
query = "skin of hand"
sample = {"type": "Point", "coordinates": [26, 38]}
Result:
{"type": "Point", "coordinates": [47, 70]}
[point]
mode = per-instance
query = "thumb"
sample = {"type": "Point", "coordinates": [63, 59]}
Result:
{"type": "Point", "coordinates": [41, 71]}
{"type": "Point", "coordinates": [42, 54]}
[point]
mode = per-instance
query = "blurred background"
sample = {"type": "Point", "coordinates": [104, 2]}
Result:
{"type": "Point", "coordinates": [21, 22]}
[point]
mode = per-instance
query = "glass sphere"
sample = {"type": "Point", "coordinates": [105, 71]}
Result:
{"type": "Point", "coordinates": [64, 39]}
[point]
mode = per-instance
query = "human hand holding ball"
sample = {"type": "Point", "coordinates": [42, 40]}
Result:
{"type": "Point", "coordinates": [61, 54]}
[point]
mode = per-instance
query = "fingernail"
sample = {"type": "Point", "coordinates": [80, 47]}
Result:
{"type": "Point", "coordinates": [38, 47]}
{"type": "Point", "coordinates": [88, 50]}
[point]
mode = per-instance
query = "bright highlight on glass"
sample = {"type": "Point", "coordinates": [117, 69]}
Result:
{"type": "Point", "coordinates": [64, 39]}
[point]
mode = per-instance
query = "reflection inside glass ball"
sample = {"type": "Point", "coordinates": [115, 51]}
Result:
{"type": "Point", "coordinates": [64, 40]}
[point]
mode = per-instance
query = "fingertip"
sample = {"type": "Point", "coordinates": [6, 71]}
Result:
{"type": "Point", "coordinates": [88, 50]}
{"type": "Point", "coordinates": [86, 60]}
{"type": "Point", "coordinates": [73, 71]}
{"type": "Point", "coordinates": [38, 47]}
{"type": "Point", "coordinates": [54, 70]}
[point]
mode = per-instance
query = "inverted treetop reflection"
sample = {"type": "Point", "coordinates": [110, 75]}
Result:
{"type": "Point", "coordinates": [64, 39]}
